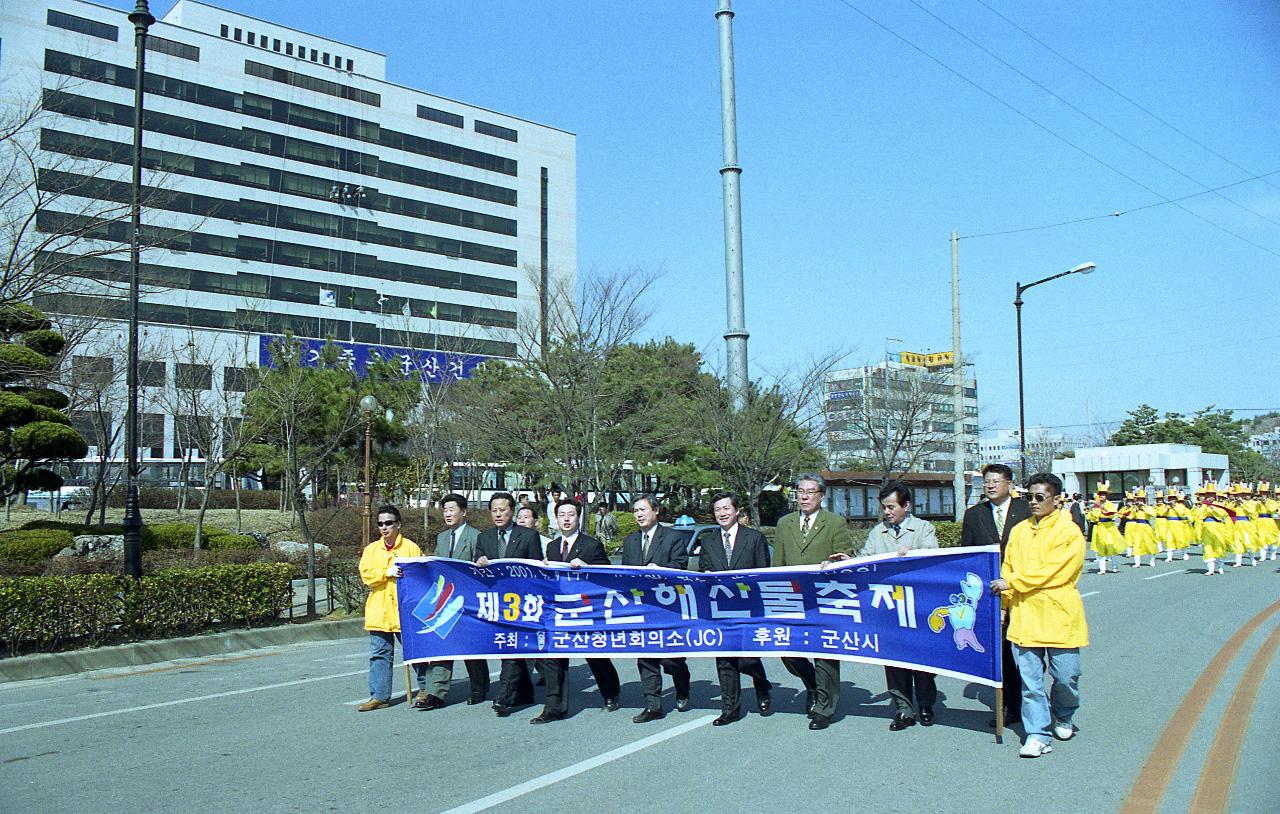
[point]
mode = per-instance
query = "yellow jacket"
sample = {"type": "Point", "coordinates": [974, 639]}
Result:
{"type": "Point", "coordinates": [381, 611]}
{"type": "Point", "coordinates": [1042, 564]}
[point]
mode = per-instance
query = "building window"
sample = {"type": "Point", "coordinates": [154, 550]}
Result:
{"type": "Point", "coordinates": [237, 37]}
{"type": "Point", "coordinates": [487, 129]}
{"type": "Point", "coordinates": [251, 39]}
{"type": "Point", "coordinates": [325, 57]}
{"type": "Point", "coordinates": [173, 48]}
{"type": "Point", "coordinates": [151, 434]}
{"type": "Point", "coordinates": [92, 369]}
{"type": "Point", "coordinates": [83, 26]}
{"type": "Point", "coordinates": [288, 49]}
{"type": "Point", "coordinates": [314, 54]}
{"type": "Point", "coordinates": [151, 374]}
{"type": "Point", "coordinates": [226, 32]}
{"type": "Point", "coordinates": [235, 379]}
{"type": "Point", "coordinates": [262, 40]}
{"type": "Point", "coordinates": [275, 45]}
{"type": "Point", "coordinates": [192, 377]}
{"type": "Point", "coordinates": [441, 116]}
{"type": "Point", "coordinates": [350, 65]}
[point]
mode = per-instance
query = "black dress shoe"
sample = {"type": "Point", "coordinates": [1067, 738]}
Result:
{"type": "Point", "coordinates": [764, 701]}
{"type": "Point", "coordinates": [724, 720]}
{"type": "Point", "coordinates": [648, 715]}
{"type": "Point", "coordinates": [901, 721]}
{"type": "Point", "coordinates": [682, 703]}
{"type": "Point", "coordinates": [611, 704]}
{"type": "Point", "coordinates": [926, 716]}
{"type": "Point", "coordinates": [479, 699]}
{"type": "Point", "coordinates": [547, 717]}
{"type": "Point", "coordinates": [431, 702]}
{"type": "Point", "coordinates": [810, 701]}
{"type": "Point", "coordinates": [819, 722]}
{"type": "Point", "coordinates": [501, 711]}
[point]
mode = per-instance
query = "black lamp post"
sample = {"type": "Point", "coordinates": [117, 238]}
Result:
{"type": "Point", "coordinates": [1083, 268]}
{"type": "Point", "coordinates": [142, 19]}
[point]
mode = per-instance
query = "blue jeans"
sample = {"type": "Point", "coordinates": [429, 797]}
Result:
{"type": "Point", "coordinates": [382, 654]}
{"type": "Point", "coordinates": [1062, 701]}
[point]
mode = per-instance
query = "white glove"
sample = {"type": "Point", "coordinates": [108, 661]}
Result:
{"type": "Point", "coordinates": [393, 571]}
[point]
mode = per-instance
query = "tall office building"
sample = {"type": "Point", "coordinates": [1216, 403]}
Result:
{"type": "Point", "coordinates": [292, 188]}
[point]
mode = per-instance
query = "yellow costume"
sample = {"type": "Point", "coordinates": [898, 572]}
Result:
{"type": "Point", "coordinates": [1139, 535]}
{"type": "Point", "coordinates": [1180, 531]}
{"type": "Point", "coordinates": [1268, 511]}
{"type": "Point", "coordinates": [1160, 522]}
{"type": "Point", "coordinates": [1104, 532]}
{"type": "Point", "coordinates": [1212, 528]}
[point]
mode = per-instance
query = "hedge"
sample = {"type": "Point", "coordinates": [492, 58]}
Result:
{"type": "Point", "coordinates": [166, 497]}
{"type": "Point", "coordinates": [31, 546]}
{"type": "Point", "coordinates": [41, 614]}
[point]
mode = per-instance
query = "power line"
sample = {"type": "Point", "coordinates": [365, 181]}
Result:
{"type": "Point", "coordinates": [1046, 128]}
{"type": "Point", "coordinates": [1091, 118]}
{"type": "Point", "coordinates": [1126, 98]}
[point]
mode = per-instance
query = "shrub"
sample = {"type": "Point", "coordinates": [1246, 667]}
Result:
{"type": "Point", "coordinates": [166, 497]}
{"type": "Point", "coordinates": [231, 542]}
{"type": "Point", "coordinates": [948, 533]}
{"type": "Point", "coordinates": [55, 612]}
{"type": "Point", "coordinates": [31, 546]}
{"type": "Point", "coordinates": [772, 505]}
{"type": "Point", "coordinates": [171, 535]}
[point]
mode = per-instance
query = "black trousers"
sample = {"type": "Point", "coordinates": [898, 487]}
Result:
{"type": "Point", "coordinates": [822, 678]}
{"type": "Point", "coordinates": [730, 672]}
{"type": "Point", "coordinates": [515, 685]}
{"type": "Point", "coordinates": [556, 673]}
{"type": "Point", "coordinates": [440, 676]}
{"type": "Point", "coordinates": [651, 679]}
{"type": "Point", "coordinates": [1012, 680]}
{"type": "Point", "coordinates": [901, 681]}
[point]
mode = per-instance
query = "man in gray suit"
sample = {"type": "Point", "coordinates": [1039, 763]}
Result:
{"type": "Point", "coordinates": [457, 542]}
{"type": "Point", "coordinates": [656, 545]}
{"type": "Point", "coordinates": [901, 533]}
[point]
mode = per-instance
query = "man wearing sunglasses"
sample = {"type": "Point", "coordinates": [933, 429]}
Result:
{"type": "Point", "coordinates": [379, 571]}
{"type": "Point", "coordinates": [1037, 584]}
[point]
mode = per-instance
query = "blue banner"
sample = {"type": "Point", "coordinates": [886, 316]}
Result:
{"type": "Point", "coordinates": [931, 611]}
{"type": "Point", "coordinates": [429, 365]}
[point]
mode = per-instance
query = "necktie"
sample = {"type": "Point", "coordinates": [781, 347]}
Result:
{"type": "Point", "coordinates": [728, 547]}
{"type": "Point", "coordinates": [564, 550]}
{"type": "Point", "coordinates": [502, 542]}
{"type": "Point", "coordinates": [648, 543]}
{"type": "Point", "coordinates": [1000, 521]}
{"type": "Point", "coordinates": [453, 540]}
{"type": "Point", "coordinates": [804, 527]}
{"type": "Point", "coordinates": [896, 530]}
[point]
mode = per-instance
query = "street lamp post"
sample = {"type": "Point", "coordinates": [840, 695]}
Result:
{"type": "Point", "coordinates": [142, 19]}
{"type": "Point", "coordinates": [1083, 268]}
{"type": "Point", "coordinates": [368, 405]}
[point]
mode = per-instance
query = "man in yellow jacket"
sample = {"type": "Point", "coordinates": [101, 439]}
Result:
{"type": "Point", "coordinates": [1038, 577]}
{"type": "Point", "coordinates": [379, 571]}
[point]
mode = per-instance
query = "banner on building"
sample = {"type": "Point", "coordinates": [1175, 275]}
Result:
{"type": "Point", "coordinates": [429, 365]}
{"type": "Point", "coordinates": [930, 611]}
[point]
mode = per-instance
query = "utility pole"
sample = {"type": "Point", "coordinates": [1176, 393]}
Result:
{"type": "Point", "coordinates": [957, 380]}
{"type": "Point", "coordinates": [735, 336]}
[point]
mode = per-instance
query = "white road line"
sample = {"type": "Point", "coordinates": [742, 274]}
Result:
{"type": "Point", "coordinates": [545, 780]}
{"type": "Point", "coordinates": [1091, 593]}
{"type": "Point", "coordinates": [176, 702]}
{"type": "Point", "coordinates": [1166, 574]}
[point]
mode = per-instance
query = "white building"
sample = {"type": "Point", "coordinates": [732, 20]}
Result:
{"type": "Point", "coordinates": [866, 404]}
{"type": "Point", "coordinates": [1267, 444]}
{"type": "Point", "coordinates": [1127, 467]}
{"type": "Point", "coordinates": [1002, 447]}
{"type": "Point", "coordinates": [304, 193]}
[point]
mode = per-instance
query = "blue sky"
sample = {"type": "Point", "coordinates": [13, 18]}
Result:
{"type": "Point", "coordinates": [861, 154]}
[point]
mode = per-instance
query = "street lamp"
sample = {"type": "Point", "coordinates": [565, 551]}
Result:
{"type": "Point", "coordinates": [142, 19]}
{"type": "Point", "coordinates": [368, 405]}
{"type": "Point", "coordinates": [1083, 268]}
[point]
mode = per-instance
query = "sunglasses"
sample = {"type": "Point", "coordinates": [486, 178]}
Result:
{"type": "Point", "coordinates": [1034, 498]}
{"type": "Point", "coordinates": [382, 523]}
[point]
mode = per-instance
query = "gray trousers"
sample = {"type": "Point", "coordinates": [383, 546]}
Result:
{"type": "Point", "coordinates": [440, 676]}
{"type": "Point", "coordinates": [822, 677]}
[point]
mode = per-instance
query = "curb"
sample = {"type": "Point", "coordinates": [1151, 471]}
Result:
{"type": "Point", "coordinates": [49, 665]}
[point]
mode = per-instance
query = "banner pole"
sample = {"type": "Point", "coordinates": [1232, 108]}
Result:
{"type": "Point", "coordinates": [408, 688]}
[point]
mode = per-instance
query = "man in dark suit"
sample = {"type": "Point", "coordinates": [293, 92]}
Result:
{"type": "Point", "coordinates": [504, 541]}
{"type": "Point", "coordinates": [577, 549]}
{"type": "Point", "coordinates": [457, 541]}
{"type": "Point", "coordinates": [989, 523]}
{"type": "Point", "coordinates": [735, 548]}
{"type": "Point", "coordinates": [811, 536]}
{"type": "Point", "coordinates": [656, 545]}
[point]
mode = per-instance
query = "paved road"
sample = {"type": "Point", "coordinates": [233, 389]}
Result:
{"type": "Point", "coordinates": [276, 731]}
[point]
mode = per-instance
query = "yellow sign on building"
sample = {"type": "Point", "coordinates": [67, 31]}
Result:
{"type": "Point", "coordinates": [926, 359]}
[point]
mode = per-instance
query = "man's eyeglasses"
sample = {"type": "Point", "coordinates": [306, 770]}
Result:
{"type": "Point", "coordinates": [1037, 498]}
{"type": "Point", "coordinates": [808, 491]}
{"type": "Point", "coordinates": [382, 523]}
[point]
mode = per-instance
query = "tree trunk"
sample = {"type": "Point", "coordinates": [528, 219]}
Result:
{"type": "Point", "coordinates": [204, 506]}
{"type": "Point", "coordinates": [235, 489]}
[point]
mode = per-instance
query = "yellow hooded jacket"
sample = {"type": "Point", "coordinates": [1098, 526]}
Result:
{"type": "Point", "coordinates": [381, 611]}
{"type": "Point", "coordinates": [1042, 565]}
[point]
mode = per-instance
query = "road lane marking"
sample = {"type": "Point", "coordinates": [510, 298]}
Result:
{"type": "Point", "coordinates": [1167, 574]}
{"type": "Point", "coordinates": [1091, 593]}
{"type": "Point", "coordinates": [1155, 775]}
{"type": "Point", "coordinates": [498, 798]}
{"type": "Point", "coordinates": [1213, 790]}
{"type": "Point", "coordinates": [181, 665]}
{"type": "Point", "coordinates": [175, 702]}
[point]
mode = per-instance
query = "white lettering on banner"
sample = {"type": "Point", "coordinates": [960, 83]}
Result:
{"type": "Point", "coordinates": [677, 594]}
{"type": "Point", "coordinates": [488, 609]}
{"type": "Point", "coordinates": [570, 616]}
{"type": "Point", "coordinates": [610, 598]}
{"type": "Point", "coordinates": [724, 590]}
{"type": "Point", "coordinates": [782, 598]}
{"type": "Point", "coordinates": [839, 599]}
{"type": "Point", "coordinates": [899, 597]}
{"type": "Point", "coordinates": [532, 608]}
{"type": "Point", "coordinates": [506, 641]}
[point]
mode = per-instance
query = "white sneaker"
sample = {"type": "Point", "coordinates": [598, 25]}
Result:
{"type": "Point", "coordinates": [1034, 747]}
{"type": "Point", "coordinates": [1064, 732]}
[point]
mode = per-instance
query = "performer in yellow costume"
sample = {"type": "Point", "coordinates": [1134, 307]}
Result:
{"type": "Point", "coordinates": [1178, 514]}
{"type": "Point", "coordinates": [1105, 535]}
{"type": "Point", "coordinates": [1212, 527]}
{"type": "Point", "coordinates": [1268, 527]}
{"type": "Point", "coordinates": [1160, 523]}
{"type": "Point", "coordinates": [1139, 535]}
{"type": "Point", "coordinates": [1242, 511]}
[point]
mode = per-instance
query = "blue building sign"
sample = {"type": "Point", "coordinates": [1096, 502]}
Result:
{"type": "Point", "coordinates": [430, 365]}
